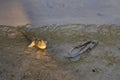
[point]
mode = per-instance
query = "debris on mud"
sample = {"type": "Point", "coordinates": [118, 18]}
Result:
{"type": "Point", "coordinates": [77, 52]}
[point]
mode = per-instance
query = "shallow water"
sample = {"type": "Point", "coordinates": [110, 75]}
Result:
{"type": "Point", "coordinates": [42, 12]}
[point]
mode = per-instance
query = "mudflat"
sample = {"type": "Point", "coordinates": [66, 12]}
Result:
{"type": "Point", "coordinates": [18, 62]}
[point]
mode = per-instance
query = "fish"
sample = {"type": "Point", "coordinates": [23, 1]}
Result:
{"type": "Point", "coordinates": [54, 34]}
{"type": "Point", "coordinates": [39, 44]}
{"type": "Point", "coordinates": [35, 40]}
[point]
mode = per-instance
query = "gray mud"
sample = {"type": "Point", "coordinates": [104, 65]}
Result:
{"type": "Point", "coordinates": [18, 62]}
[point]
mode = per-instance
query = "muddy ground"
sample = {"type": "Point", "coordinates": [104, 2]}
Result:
{"type": "Point", "coordinates": [18, 62]}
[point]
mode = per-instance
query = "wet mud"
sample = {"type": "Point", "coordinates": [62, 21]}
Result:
{"type": "Point", "coordinates": [18, 62]}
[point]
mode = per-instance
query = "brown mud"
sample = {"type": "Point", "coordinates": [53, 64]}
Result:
{"type": "Point", "coordinates": [18, 62]}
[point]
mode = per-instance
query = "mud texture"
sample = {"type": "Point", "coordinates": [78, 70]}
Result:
{"type": "Point", "coordinates": [18, 62]}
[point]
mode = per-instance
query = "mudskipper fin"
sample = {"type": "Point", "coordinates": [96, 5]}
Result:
{"type": "Point", "coordinates": [32, 44]}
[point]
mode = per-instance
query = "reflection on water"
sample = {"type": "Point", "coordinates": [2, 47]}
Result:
{"type": "Point", "coordinates": [73, 11]}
